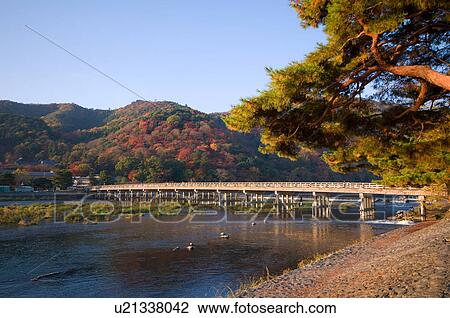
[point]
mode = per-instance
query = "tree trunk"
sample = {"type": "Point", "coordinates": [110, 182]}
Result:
{"type": "Point", "coordinates": [420, 71]}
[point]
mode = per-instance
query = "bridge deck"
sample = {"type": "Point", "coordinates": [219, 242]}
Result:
{"type": "Point", "coordinates": [324, 187]}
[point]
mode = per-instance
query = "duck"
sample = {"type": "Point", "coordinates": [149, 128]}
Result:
{"type": "Point", "coordinates": [190, 246]}
{"type": "Point", "coordinates": [175, 248]}
{"type": "Point", "coordinates": [224, 235]}
{"type": "Point", "coordinates": [253, 223]}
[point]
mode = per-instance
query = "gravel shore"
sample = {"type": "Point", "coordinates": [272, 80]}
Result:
{"type": "Point", "coordinates": [412, 261]}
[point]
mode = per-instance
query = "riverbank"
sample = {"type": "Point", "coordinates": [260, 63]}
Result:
{"type": "Point", "coordinates": [412, 261]}
{"type": "Point", "coordinates": [91, 212]}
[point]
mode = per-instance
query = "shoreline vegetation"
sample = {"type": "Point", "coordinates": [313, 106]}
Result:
{"type": "Point", "coordinates": [389, 265]}
{"type": "Point", "coordinates": [85, 213]}
{"type": "Point", "coordinates": [91, 213]}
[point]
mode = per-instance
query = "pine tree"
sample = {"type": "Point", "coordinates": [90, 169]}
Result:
{"type": "Point", "coordinates": [375, 95]}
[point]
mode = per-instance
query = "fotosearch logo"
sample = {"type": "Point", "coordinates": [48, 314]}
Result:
{"type": "Point", "coordinates": [230, 208]}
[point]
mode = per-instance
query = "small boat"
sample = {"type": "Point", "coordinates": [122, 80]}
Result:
{"type": "Point", "coordinates": [190, 246]}
{"type": "Point", "coordinates": [224, 235]}
{"type": "Point", "coordinates": [253, 223]}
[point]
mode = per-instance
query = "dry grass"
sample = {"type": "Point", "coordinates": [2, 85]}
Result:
{"type": "Point", "coordinates": [313, 259]}
{"type": "Point", "coordinates": [250, 283]}
{"type": "Point", "coordinates": [255, 281]}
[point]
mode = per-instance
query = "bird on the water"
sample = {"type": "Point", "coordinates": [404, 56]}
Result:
{"type": "Point", "coordinates": [190, 246]}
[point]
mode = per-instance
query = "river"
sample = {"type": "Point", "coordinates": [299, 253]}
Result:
{"type": "Point", "coordinates": [125, 259]}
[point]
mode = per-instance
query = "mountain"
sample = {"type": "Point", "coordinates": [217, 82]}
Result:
{"type": "Point", "coordinates": [146, 141]}
{"type": "Point", "coordinates": [63, 117]}
{"type": "Point", "coordinates": [23, 136]}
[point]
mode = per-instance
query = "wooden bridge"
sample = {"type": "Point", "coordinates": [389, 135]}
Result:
{"type": "Point", "coordinates": [324, 187]}
{"type": "Point", "coordinates": [283, 194]}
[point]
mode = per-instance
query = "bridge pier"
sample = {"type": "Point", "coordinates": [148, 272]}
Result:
{"type": "Point", "coordinates": [367, 207]}
{"type": "Point", "coordinates": [283, 203]}
{"type": "Point", "coordinates": [321, 205]}
{"type": "Point", "coordinates": [422, 208]}
{"type": "Point", "coordinates": [285, 199]}
{"type": "Point", "coordinates": [277, 203]}
{"type": "Point", "coordinates": [195, 196]}
{"type": "Point", "coordinates": [219, 199]}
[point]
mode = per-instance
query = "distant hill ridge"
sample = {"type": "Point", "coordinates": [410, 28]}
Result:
{"type": "Point", "coordinates": [64, 116]}
{"type": "Point", "coordinates": [146, 141]}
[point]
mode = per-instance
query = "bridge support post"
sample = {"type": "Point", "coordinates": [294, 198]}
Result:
{"type": "Point", "coordinates": [321, 207]}
{"type": "Point", "coordinates": [277, 203]}
{"type": "Point", "coordinates": [314, 204]}
{"type": "Point", "coordinates": [219, 198]}
{"type": "Point", "coordinates": [367, 207]}
{"type": "Point", "coordinates": [131, 201]}
{"type": "Point", "coordinates": [422, 208]}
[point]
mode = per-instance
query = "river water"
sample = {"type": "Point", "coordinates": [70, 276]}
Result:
{"type": "Point", "coordinates": [125, 259]}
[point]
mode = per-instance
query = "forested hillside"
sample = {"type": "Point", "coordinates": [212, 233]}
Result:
{"type": "Point", "coordinates": [64, 117]}
{"type": "Point", "coordinates": [146, 141]}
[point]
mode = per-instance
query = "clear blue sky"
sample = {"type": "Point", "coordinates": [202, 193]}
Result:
{"type": "Point", "coordinates": [203, 53]}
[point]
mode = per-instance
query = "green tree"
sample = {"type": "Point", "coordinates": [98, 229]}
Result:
{"type": "Point", "coordinates": [92, 179]}
{"type": "Point", "coordinates": [125, 165]}
{"type": "Point", "coordinates": [153, 169]}
{"type": "Point", "coordinates": [141, 175]}
{"type": "Point", "coordinates": [42, 183]}
{"type": "Point", "coordinates": [174, 170]}
{"type": "Point", "coordinates": [173, 120]}
{"type": "Point", "coordinates": [7, 179]}
{"type": "Point", "coordinates": [63, 179]}
{"type": "Point", "coordinates": [375, 95]}
{"type": "Point", "coordinates": [21, 177]}
{"type": "Point", "coordinates": [104, 177]}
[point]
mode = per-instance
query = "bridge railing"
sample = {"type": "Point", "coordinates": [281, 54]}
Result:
{"type": "Point", "coordinates": [338, 187]}
{"type": "Point", "coordinates": [243, 185]}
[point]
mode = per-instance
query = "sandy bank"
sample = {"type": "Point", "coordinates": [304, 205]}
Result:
{"type": "Point", "coordinates": [412, 261]}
